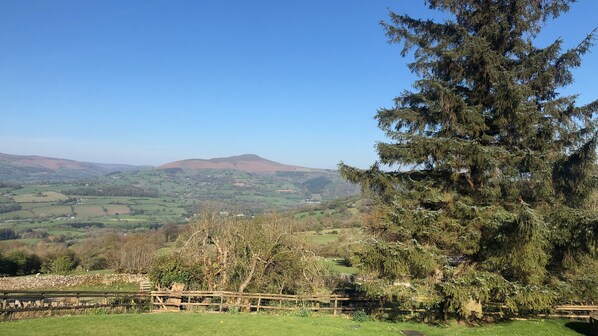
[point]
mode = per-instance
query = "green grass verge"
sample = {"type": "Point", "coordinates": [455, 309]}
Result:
{"type": "Point", "coordinates": [323, 238]}
{"type": "Point", "coordinates": [262, 324]}
{"type": "Point", "coordinates": [337, 265]}
{"type": "Point", "coordinates": [114, 287]}
{"type": "Point", "coordinates": [102, 271]}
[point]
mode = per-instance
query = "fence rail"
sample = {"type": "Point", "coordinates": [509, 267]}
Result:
{"type": "Point", "coordinates": [222, 300]}
{"type": "Point", "coordinates": [35, 301]}
{"type": "Point", "coordinates": [574, 311]}
{"type": "Point", "coordinates": [14, 302]}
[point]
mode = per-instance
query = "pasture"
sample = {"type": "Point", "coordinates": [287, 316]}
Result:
{"type": "Point", "coordinates": [46, 196]}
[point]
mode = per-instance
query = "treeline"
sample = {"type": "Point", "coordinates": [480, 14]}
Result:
{"type": "Point", "coordinates": [8, 234]}
{"type": "Point", "coordinates": [128, 190]}
{"type": "Point", "coordinates": [55, 259]}
{"type": "Point", "coordinates": [85, 225]}
{"type": "Point", "coordinates": [131, 253]}
{"type": "Point", "coordinates": [316, 185]}
{"type": "Point", "coordinates": [10, 185]}
{"type": "Point", "coordinates": [68, 201]}
{"type": "Point", "coordinates": [9, 207]}
{"type": "Point", "coordinates": [19, 263]}
{"type": "Point", "coordinates": [213, 253]}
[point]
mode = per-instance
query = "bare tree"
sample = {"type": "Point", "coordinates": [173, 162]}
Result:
{"type": "Point", "coordinates": [258, 254]}
{"type": "Point", "coordinates": [134, 253]}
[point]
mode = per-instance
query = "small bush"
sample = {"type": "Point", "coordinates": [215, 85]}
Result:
{"type": "Point", "coordinates": [98, 311]}
{"type": "Point", "coordinates": [19, 263]}
{"type": "Point", "coordinates": [304, 313]}
{"type": "Point", "coordinates": [63, 264]}
{"type": "Point", "coordinates": [167, 270]}
{"type": "Point", "coordinates": [361, 316]}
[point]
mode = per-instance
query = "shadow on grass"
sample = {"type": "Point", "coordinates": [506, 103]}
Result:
{"type": "Point", "coordinates": [342, 262]}
{"type": "Point", "coordinates": [583, 328]}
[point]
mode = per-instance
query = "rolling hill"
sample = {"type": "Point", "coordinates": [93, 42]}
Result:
{"type": "Point", "coordinates": [250, 163]}
{"type": "Point", "coordinates": [247, 181]}
{"type": "Point", "coordinates": [76, 197]}
{"type": "Point", "coordinates": [34, 168]}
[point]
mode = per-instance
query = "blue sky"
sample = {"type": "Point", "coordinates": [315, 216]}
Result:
{"type": "Point", "coordinates": [148, 82]}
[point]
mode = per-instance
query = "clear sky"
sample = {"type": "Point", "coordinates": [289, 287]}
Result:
{"type": "Point", "coordinates": [153, 81]}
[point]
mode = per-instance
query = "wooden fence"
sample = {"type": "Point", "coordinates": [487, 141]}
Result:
{"type": "Point", "coordinates": [573, 311]}
{"type": "Point", "coordinates": [335, 304]}
{"type": "Point", "coordinates": [14, 302]}
{"type": "Point", "coordinates": [227, 301]}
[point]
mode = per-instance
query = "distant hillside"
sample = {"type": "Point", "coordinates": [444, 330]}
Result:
{"type": "Point", "coordinates": [34, 188]}
{"type": "Point", "coordinates": [33, 168]}
{"type": "Point", "coordinates": [250, 163]}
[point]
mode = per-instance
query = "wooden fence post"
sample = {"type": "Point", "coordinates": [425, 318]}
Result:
{"type": "Point", "coordinates": [221, 299]}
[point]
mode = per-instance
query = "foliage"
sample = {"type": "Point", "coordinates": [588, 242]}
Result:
{"type": "Point", "coordinates": [129, 190]}
{"type": "Point", "coordinates": [170, 231]}
{"type": "Point", "coordinates": [316, 185]}
{"type": "Point", "coordinates": [496, 170]}
{"type": "Point", "coordinates": [261, 255]}
{"type": "Point", "coordinates": [95, 253]}
{"type": "Point", "coordinates": [169, 269]}
{"type": "Point", "coordinates": [63, 264]}
{"type": "Point", "coordinates": [8, 234]}
{"type": "Point", "coordinates": [18, 262]}
{"type": "Point", "coordinates": [304, 313]}
{"type": "Point", "coordinates": [8, 207]}
{"type": "Point", "coordinates": [361, 316]}
{"type": "Point", "coordinates": [133, 253]}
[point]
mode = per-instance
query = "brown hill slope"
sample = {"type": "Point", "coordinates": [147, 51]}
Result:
{"type": "Point", "coordinates": [34, 168]}
{"type": "Point", "coordinates": [247, 162]}
{"type": "Point", "coordinates": [43, 162]}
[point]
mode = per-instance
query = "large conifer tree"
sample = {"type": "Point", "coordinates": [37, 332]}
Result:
{"type": "Point", "coordinates": [495, 167]}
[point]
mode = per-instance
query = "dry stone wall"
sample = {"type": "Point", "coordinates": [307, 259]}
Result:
{"type": "Point", "coordinates": [63, 282]}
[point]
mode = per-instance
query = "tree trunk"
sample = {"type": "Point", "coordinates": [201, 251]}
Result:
{"type": "Point", "coordinates": [249, 276]}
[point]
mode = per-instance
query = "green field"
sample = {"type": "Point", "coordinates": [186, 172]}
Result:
{"type": "Point", "coordinates": [327, 236]}
{"type": "Point", "coordinates": [168, 195]}
{"type": "Point", "coordinates": [46, 196]}
{"type": "Point", "coordinates": [322, 238]}
{"type": "Point", "coordinates": [263, 324]}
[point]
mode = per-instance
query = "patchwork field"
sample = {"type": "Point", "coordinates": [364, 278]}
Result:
{"type": "Point", "coordinates": [146, 199]}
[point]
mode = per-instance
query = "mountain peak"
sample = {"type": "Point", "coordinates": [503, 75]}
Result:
{"type": "Point", "coordinates": [249, 157]}
{"type": "Point", "coordinates": [242, 157]}
{"type": "Point", "coordinates": [247, 162]}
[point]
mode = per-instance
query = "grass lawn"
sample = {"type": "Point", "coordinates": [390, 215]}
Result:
{"type": "Point", "coordinates": [322, 238]}
{"type": "Point", "coordinates": [263, 324]}
{"type": "Point", "coordinates": [336, 265]}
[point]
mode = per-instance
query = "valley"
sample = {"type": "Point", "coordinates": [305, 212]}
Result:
{"type": "Point", "coordinates": [146, 197]}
